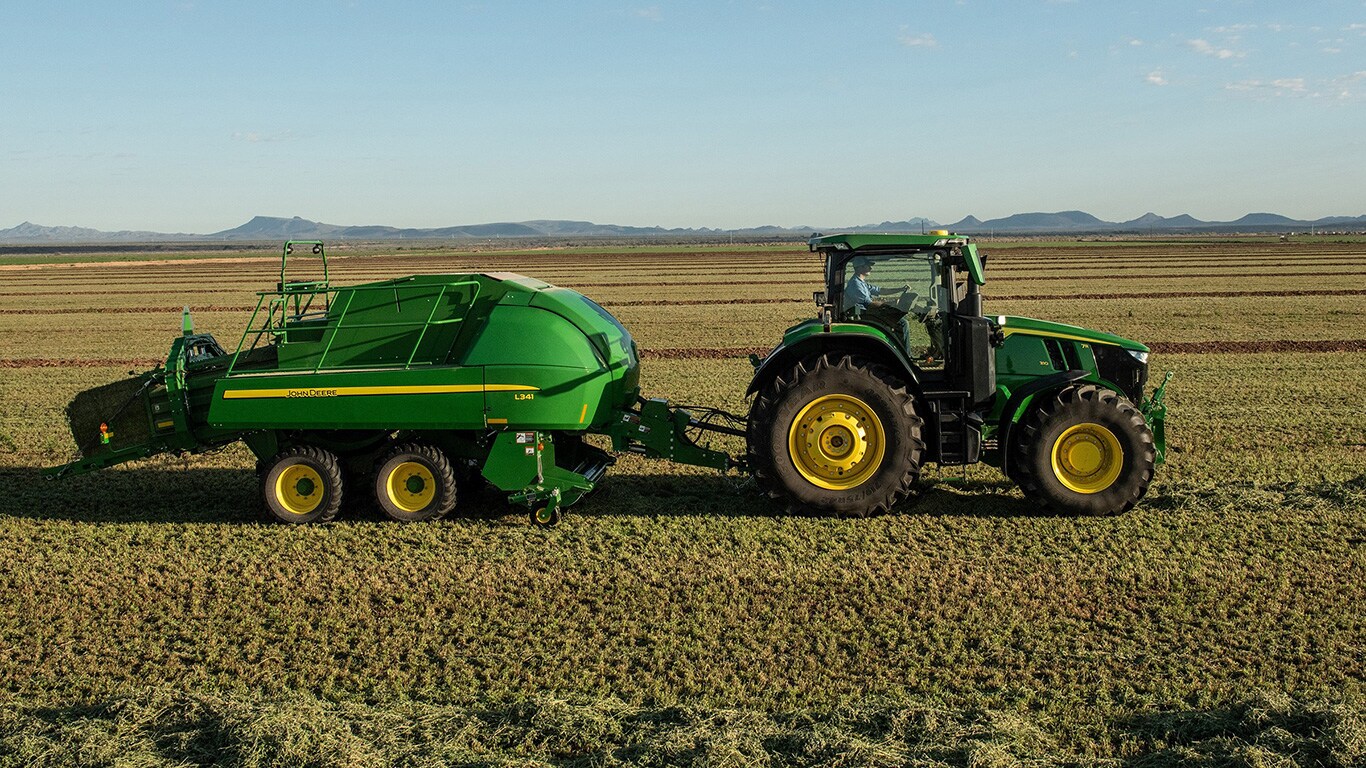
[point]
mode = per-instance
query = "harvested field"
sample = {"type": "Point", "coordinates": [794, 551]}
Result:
{"type": "Point", "coordinates": [151, 617]}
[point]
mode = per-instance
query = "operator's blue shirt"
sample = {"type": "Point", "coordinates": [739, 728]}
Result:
{"type": "Point", "coordinates": [860, 293]}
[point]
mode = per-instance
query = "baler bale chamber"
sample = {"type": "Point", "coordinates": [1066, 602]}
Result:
{"type": "Point", "coordinates": [399, 391]}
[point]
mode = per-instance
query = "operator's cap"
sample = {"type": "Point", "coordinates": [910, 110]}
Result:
{"type": "Point", "coordinates": [861, 263]}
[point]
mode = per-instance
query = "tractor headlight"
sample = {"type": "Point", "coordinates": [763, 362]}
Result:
{"type": "Point", "coordinates": [1141, 357]}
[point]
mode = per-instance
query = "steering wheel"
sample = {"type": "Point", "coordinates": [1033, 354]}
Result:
{"type": "Point", "coordinates": [907, 299]}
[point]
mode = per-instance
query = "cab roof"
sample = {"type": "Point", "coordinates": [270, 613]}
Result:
{"type": "Point", "coordinates": [853, 241]}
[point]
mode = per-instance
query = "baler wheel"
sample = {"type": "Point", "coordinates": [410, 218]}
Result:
{"type": "Point", "coordinates": [415, 482]}
{"type": "Point", "coordinates": [1085, 451]}
{"type": "Point", "coordinates": [835, 435]}
{"type": "Point", "coordinates": [302, 484]}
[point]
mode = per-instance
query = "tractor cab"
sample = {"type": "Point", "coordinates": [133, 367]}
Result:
{"type": "Point", "coordinates": [922, 293]}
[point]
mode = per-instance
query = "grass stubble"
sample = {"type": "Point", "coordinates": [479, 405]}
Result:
{"type": "Point", "coordinates": [151, 619]}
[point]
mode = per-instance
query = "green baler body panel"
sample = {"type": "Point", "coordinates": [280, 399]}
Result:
{"type": "Point", "coordinates": [437, 352]}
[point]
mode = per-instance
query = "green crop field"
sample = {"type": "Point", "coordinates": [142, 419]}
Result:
{"type": "Point", "coordinates": [152, 617]}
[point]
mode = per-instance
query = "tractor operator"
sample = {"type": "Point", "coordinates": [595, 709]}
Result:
{"type": "Point", "coordinates": [859, 293]}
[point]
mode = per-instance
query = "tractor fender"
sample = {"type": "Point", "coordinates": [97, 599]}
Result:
{"type": "Point", "coordinates": [1023, 395]}
{"type": "Point", "coordinates": [869, 346]}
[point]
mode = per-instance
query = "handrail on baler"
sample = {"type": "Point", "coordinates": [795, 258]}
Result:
{"type": "Point", "coordinates": [318, 250]}
{"type": "Point", "coordinates": [280, 298]}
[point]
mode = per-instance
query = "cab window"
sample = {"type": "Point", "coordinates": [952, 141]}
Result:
{"type": "Point", "coordinates": [903, 295]}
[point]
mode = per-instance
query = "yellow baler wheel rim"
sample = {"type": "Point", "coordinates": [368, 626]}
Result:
{"type": "Point", "coordinates": [299, 489]}
{"type": "Point", "coordinates": [411, 486]}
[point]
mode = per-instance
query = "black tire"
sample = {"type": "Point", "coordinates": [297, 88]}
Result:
{"type": "Point", "coordinates": [302, 484]}
{"type": "Point", "coordinates": [1078, 419]}
{"type": "Point", "coordinates": [414, 482]}
{"type": "Point", "coordinates": [872, 486]}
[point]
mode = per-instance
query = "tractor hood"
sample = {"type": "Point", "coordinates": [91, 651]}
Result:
{"type": "Point", "coordinates": [1028, 325]}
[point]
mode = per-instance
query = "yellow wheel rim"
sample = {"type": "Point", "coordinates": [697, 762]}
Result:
{"type": "Point", "coordinates": [836, 442]}
{"type": "Point", "coordinates": [299, 489]}
{"type": "Point", "coordinates": [1087, 458]}
{"type": "Point", "coordinates": [411, 486]}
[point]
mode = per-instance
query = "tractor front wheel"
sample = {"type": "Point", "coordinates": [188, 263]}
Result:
{"type": "Point", "coordinates": [415, 482]}
{"type": "Point", "coordinates": [302, 484]}
{"type": "Point", "coordinates": [1085, 451]}
{"type": "Point", "coordinates": [838, 435]}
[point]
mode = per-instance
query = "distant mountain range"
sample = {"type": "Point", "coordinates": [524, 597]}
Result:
{"type": "Point", "coordinates": [1063, 222]}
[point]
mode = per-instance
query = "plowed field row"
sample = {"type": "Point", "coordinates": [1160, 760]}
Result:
{"type": "Point", "coordinates": [698, 283]}
{"type": "Point", "coordinates": [756, 300]}
{"type": "Point", "coordinates": [701, 258]}
{"type": "Point", "coordinates": [559, 273]}
{"type": "Point", "coordinates": [721, 353]}
{"type": "Point", "coordinates": [1158, 347]}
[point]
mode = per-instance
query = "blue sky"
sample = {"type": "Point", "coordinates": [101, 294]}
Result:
{"type": "Point", "coordinates": [195, 116]}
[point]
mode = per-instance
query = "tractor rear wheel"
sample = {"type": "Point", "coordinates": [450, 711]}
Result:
{"type": "Point", "coordinates": [302, 484]}
{"type": "Point", "coordinates": [415, 482]}
{"type": "Point", "coordinates": [836, 435]}
{"type": "Point", "coordinates": [1085, 451]}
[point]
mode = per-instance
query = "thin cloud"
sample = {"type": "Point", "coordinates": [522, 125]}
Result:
{"type": "Point", "coordinates": [1282, 86]}
{"type": "Point", "coordinates": [1156, 77]}
{"type": "Point", "coordinates": [257, 137]}
{"type": "Point", "coordinates": [649, 14]}
{"type": "Point", "coordinates": [1344, 88]}
{"type": "Point", "coordinates": [1206, 48]}
{"type": "Point", "coordinates": [921, 40]}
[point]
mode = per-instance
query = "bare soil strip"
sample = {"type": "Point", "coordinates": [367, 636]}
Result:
{"type": "Point", "coordinates": [115, 310]}
{"type": "Point", "coordinates": [723, 353]}
{"type": "Point", "coordinates": [604, 271]}
{"type": "Point", "coordinates": [1261, 345]}
{"type": "Point", "coordinates": [55, 362]}
{"type": "Point", "coordinates": [760, 299]}
{"type": "Point", "coordinates": [715, 284]}
{"type": "Point", "coordinates": [1017, 297]}
{"type": "Point", "coordinates": [1159, 347]}
{"type": "Point", "coordinates": [1178, 294]}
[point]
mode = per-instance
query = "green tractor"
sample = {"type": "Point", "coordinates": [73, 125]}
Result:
{"type": "Point", "coordinates": [901, 369]}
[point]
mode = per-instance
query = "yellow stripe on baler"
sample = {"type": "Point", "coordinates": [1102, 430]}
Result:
{"type": "Point", "coordinates": [427, 389]}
